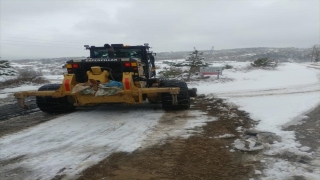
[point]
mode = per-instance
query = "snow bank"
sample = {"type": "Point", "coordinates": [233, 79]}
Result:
{"type": "Point", "coordinates": [289, 75]}
{"type": "Point", "coordinates": [273, 98]}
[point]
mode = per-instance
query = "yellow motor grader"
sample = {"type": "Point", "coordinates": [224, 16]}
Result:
{"type": "Point", "coordinates": [113, 73]}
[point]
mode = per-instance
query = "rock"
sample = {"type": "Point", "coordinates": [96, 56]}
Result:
{"type": "Point", "coordinates": [257, 172]}
{"type": "Point", "coordinates": [248, 145]}
{"type": "Point", "coordinates": [251, 132]}
{"type": "Point", "coordinates": [225, 136]}
{"type": "Point", "coordinates": [239, 129]}
{"type": "Point", "coordinates": [297, 157]}
{"type": "Point", "coordinates": [305, 148]}
{"type": "Point", "coordinates": [268, 137]}
{"type": "Point", "coordinates": [265, 137]}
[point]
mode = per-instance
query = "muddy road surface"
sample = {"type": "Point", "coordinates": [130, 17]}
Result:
{"type": "Point", "coordinates": [121, 142]}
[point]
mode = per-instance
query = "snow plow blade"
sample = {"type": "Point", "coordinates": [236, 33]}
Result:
{"type": "Point", "coordinates": [77, 99]}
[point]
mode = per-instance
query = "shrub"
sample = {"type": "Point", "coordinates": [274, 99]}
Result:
{"type": "Point", "coordinates": [227, 66]}
{"type": "Point", "coordinates": [264, 62]}
{"type": "Point", "coordinates": [25, 77]}
{"type": "Point", "coordinates": [6, 69]}
{"type": "Point", "coordinates": [4, 64]}
{"type": "Point", "coordinates": [7, 72]}
{"type": "Point", "coordinates": [171, 72]}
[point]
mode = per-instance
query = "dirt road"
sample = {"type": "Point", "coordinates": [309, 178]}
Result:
{"type": "Point", "coordinates": [201, 156]}
{"type": "Point", "coordinates": [145, 142]}
{"type": "Point", "coordinates": [136, 142]}
{"type": "Point", "coordinates": [308, 134]}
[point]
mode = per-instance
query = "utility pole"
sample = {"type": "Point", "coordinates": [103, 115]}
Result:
{"type": "Point", "coordinates": [211, 51]}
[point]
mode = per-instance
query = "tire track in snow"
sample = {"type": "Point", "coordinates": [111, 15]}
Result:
{"type": "Point", "coordinates": [69, 144]}
{"type": "Point", "coordinates": [175, 123]}
{"type": "Point", "coordinates": [297, 89]}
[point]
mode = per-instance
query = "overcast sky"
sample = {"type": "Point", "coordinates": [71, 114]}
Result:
{"type": "Point", "coordinates": [60, 28]}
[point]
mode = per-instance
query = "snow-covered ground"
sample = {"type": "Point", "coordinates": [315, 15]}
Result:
{"type": "Point", "coordinates": [72, 143]}
{"type": "Point", "coordinates": [4, 93]}
{"type": "Point", "coordinates": [275, 98]}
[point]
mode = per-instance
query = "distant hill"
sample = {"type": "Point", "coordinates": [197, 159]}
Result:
{"type": "Point", "coordinates": [242, 54]}
{"type": "Point", "coordinates": [246, 54]}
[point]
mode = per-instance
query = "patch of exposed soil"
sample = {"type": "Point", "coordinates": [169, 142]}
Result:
{"type": "Point", "coordinates": [9, 108]}
{"type": "Point", "coordinates": [201, 156]}
{"type": "Point", "coordinates": [22, 122]}
{"type": "Point", "coordinates": [28, 119]}
{"type": "Point", "coordinates": [308, 133]}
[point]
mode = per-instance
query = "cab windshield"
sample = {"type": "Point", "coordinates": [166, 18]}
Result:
{"type": "Point", "coordinates": [117, 53]}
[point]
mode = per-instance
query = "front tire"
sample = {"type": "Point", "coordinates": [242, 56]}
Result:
{"type": "Point", "coordinates": [49, 104]}
{"type": "Point", "coordinates": [183, 96]}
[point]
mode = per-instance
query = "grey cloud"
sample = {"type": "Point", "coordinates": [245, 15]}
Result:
{"type": "Point", "coordinates": [166, 25]}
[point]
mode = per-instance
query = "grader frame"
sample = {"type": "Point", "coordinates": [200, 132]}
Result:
{"type": "Point", "coordinates": [131, 93]}
{"type": "Point", "coordinates": [131, 66]}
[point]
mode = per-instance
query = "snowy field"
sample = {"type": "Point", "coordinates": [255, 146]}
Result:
{"type": "Point", "coordinates": [71, 143]}
{"type": "Point", "coordinates": [4, 93]}
{"type": "Point", "coordinates": [275, 98]}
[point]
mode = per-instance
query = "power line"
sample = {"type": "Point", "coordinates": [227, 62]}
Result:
{"type": "Point", "coordinates": [26, 30]}
{"type": "Point", "coordinates": [44, 43]}
{"type": "Point", "coordinates": [36, 31]}
{"type": "Point", "coordinates": [4, 22]}
{"type": "Point", "coordinates": [17, 27]}
{"type": "Point", "coordinates": [6, 37]}
{"type": "Point", "coordinates": [38, 45]}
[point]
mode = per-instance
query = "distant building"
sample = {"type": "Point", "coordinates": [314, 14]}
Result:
{"type": "Point", "coordinates": [211, 70]}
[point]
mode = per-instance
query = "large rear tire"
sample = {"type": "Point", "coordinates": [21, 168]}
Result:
{"type": "Point", "coordinates": [183, 97]}
{"type": "Point", "coordinates": [193, 92]}
{"type": "Point", "coordinates": [49, 104]}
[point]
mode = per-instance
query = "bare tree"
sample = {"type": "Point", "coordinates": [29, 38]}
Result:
{"type": "Point", "coordinates": [315, 56]}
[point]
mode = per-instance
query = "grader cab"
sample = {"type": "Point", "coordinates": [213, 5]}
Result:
{"type": "Point", "coordinates": [113, 73]}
